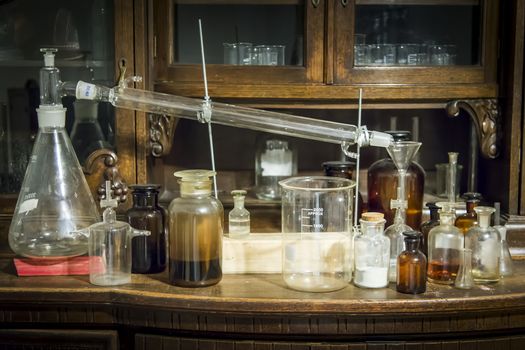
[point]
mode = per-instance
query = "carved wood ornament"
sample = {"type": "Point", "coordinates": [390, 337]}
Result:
{"type": "Point", "coordinates": [111, 173]}
{"type": "Point", "coordinates": [161, 130]}
{"type": "Point", "coordinates": [486, 117]}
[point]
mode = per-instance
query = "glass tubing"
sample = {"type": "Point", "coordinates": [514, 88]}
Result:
{"type": "Point", "coordinates": [226, 114]}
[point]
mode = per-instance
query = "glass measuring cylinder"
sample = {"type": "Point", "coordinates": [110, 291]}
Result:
{"type": "Point", "coordinates": [316, 221]}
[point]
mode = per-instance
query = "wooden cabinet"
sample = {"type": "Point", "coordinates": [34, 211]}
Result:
{"type": "Point", "coordinates": [332, 30]}
{"type": "Point", "coordinates": [58, 339]}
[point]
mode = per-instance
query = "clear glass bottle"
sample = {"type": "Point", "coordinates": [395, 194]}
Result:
{"type": "Point", "coordinates": [55, 203]}
{"type": "Point", "coordinates": [344, 169]}
{"type": "Point", "coordinates": [239, 216]}
{"type": "Point", "coordinates": [196, 222]}
{"type": "Point", "coordinates": [467, 220]}
{"type": "Point", "coordinates": [275, 160]}
{"type": "Point", "coordinates": [485, 243]}
{"type": "Point", "coordinates": [411, 266]}
{"type": "Point", "coordinates": [506, 266]}
{"type": "Point", "coordinates": [149, 253]}
{"type": "Point", "coordinates": [371, 252]}
{"type": "Point", "coordinates": [464, 278]}
{"type": "Point", "coordinates": [445, 242]}
{"type": "Point", "coordinates": [383, 183]}
{"type": "Point", "coordinates": [428, 225]}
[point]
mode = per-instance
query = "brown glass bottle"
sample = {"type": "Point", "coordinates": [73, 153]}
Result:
{"type": "Point", "coordinates": [345, 170]}
{"type": "Point", "coordinates": [148, 252]}
{"type": "Point", "coordinates": [411, 266]}
{"type": "Point", "coordinates": [383, 182]}
{"type": "Point", "coordinates": [428, 225]}
{"type": "Point", "coordinates": [467, 220]}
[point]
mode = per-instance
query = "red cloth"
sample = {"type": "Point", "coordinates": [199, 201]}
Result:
{"type": "Point", "coordinates": [55, 267]}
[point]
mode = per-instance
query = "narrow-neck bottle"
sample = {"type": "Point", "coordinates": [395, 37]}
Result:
{"type": "Point", "coordinates": [445, 242]}
{"type": "Point", "coordinates": [148, 252]}
{"type": "Point", "coordinates": [239, 216]}
{"type": "Point", "coordinates": [428, 225]}
{"type": "Point", "coordinates": [467, 220]}
{"type": "Point", "coordinates": [411, 266]}
{"type": "Point", "coordinates": [485, 243]}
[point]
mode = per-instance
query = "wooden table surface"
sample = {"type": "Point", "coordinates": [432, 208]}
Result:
{"type": "Point", "coordinates": [263, 294]}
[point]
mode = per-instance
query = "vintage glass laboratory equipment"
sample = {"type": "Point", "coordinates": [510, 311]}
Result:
{"type": "Point", "coordinates": [383, 180]}
{"type": "Point", "coordinates": [468, 219]}
{"type": "Point", "coordinates": [196, 222]}
{"type": "Point", "coordinates": [411, 266]}
{"type": "Point", "coordinates": [275, 160]}
{"type": "Point", "coordinates": [239, 216]}
{"type": "Point", "coordinates": [371, 252]}
{"type": "Point", "coordinates": [55, 202]}
{"type": "Point", "coordinates": [402, 153]}
{"type": "Point", "coordinates": [506, 266]}
{"type": "Point", "coordinates": [464, 278]}
{"type": "Point", "coordinates": [484, 241]}
{"type": "Point", "coordinates": [432, 222]}
{"type": "Point", "coordinates": [149, 253]}
{"type": "Point", "coordinates": [451, 182]}
{"type": "Point", "coordinates": [110, 246]}
{"type": "Point", "coordinates": [316, 225]}
{"type": "Point", "coordinates": [445, 242]}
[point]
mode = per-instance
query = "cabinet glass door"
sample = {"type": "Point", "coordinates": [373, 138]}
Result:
{"type": "Point", "coordinates": [249, 41]}
{"type": "Point", "coordinates": [83, 33]}
{"type": "Point", "coordinates": [419, 41]}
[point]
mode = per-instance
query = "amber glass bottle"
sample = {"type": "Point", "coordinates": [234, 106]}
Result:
{"type": "Point", "coordinates": [411, 266]}
{"type": "Point", "coordinates": [148, 252]}
{"type": "Point", "coordinates": [345, 170]}
{"type": "Point", "coordinates": [428, 225]}
{"type": "Point", "coordinates": [467, 220]}
{"type": "Point", "coordinates": [382, 186]}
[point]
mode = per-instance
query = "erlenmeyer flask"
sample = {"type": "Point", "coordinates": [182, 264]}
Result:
{"type": "Point", "coordinates": [54, 202]}
{"type": "Point", "coordinates": [464, 279]}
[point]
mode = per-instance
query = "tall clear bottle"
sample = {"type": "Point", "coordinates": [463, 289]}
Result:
{"type": "Point", "coordinates": [149, 252]}
{"type": "Point", "coordinates": [371, 252]}
{"type": "Point", "coordinates": [445, 243]}
{"type": "Point", "coordinates": [467, 220]}
{"type": "Point", "coordinates": [484, 241]}
{"type": "Point", "coordinates": [428, 225]}
{"type": "Point", "coordinates": [55, 203]}
{"type": "Point", "coordinates": [196, 222]}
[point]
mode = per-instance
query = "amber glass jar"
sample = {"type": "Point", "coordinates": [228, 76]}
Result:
{"type": "Point", "coordinates": [467, 220]}
{"type": "Point", "coordinates": [344, 169]}
{"type": "Point", "coordinates": [148, 252]}
{"type": "Point", "coordinates": [428, 225]}
{"type": "Point", "coordinates": [411, 266]}
{"type": "Point", "coordinates": [383, 182]}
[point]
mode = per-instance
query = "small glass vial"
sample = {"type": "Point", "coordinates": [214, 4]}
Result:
{"type": "Point", "coordinates": [464, 278]}
{"type": "Point", "coordinates": [484, 241]}
{"type": "Point", "coordinates": [195, 232]}
{"type": "Point", "coordinates": [149, 252]}
{"type": "Point", "coordinates": [239, 217]}
{"type": "Point", "coordinates": [445, 242]}
{"type": "Point", "coordinates": [411, 266]}
{"type": "Point", "coordinates": [371, 252]}
{"type": "Point", "coordinates": [506, 267]}
{"type": "Point", "coordinates": [467, 220]}
{"type": "Point", "coordinates": [428, 225]}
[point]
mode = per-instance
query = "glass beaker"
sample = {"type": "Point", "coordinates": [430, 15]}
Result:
{"type": "Point", "coordinates": [316, 220]}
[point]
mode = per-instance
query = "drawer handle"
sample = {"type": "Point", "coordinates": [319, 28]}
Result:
{"type": "Point", "coordinates": [344, 3]}
{"type": "Point", "coordinates": [315, 3]}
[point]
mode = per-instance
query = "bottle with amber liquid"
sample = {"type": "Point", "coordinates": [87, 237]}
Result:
{"type": "Point", "coordinates": [469, 219]}
{"type": "Point", "coordinates": [383, 183]}
{"type": "Point", "coordinates": [445, 242]}
{"type": "Point", "coordinates": [428, 225]}
{"type": "Point", "coordinates": [344, 169]}
{"type": "Point", "coordinates": [411, 266]}
{"type": "Point", "coordinates": [196, 222]}
{"type": "Point", "coordinates": [148, 252]}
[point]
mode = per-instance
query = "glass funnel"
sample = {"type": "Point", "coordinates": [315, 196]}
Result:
{"type": "Point", "coordinates": [402, 153]}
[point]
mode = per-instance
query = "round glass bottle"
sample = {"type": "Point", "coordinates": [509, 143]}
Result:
{"type": "Point", "coordinates": [445, 242]}
{"type": "Point", "coordinates": [371, 252]}
{"type": "Point", "coordinates": [467, 220]}
{"type": "Point", "coordinates": [345, 170]}
{"type": "Point", "coordinates": [383, 183]}
{"type": "Point", "coordinates": [411, 266]}
{"type": "Point", "coordinates": [148, 252]}
{"type": "Point", "coordinates": [429, 225]}
{"type": "Point", "coordinates": [195, 232]}
{"type": "Point", "coordinates": [485, 243]}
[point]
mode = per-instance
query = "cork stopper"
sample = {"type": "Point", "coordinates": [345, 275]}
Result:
{"type": "Point", "coordinates": [372, 216]}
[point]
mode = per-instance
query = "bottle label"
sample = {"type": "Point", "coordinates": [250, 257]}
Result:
{"type": "Point", "coordinates": [86, 91]}
{"type": "Point", "coordinates": [28, 205]}
{"type": "Point", "coordinates": [276, 162]}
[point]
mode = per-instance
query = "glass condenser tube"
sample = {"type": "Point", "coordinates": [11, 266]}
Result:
{"type": "Point", "coordinates": [225, 114]}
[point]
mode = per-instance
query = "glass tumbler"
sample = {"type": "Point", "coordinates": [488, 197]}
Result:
{"type": "Point", "coordinates": [230, 51]}
{"type": "Point", "coordinates": [316, 222]}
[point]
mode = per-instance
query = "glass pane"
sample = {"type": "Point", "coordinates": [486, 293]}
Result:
{"type": "Point", "coordinates": [82, 31]}
{"type": "Point", "coordinates": [424, 34]}
{"type": "Point", "coordinates": [240, 32]}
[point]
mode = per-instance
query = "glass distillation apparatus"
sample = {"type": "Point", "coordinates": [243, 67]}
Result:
{"type": "Point", "coordinates": [55, 202]}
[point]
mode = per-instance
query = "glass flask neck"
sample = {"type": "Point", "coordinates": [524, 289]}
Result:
{"type": "Point", "coordinates": [412, 244]}
{"type": "Point", "coordinates": [195, 189]}
{"type": "Point", "coordinates": [109, 215]}
{"type": "Point", "coordinates": [145, 199]}
{"type": "Point", "coordinates": [238, 202]}
{"type": "Point", "coordinates": [372, 228]}
{"type": "Point", "coordinates": [484, 220]}
{"type": "Point", "coordinates": [446, 218]}
{"type": "Point", "coordinates": [434, 215]}
{"type": "Point", "coordinates": [470, 207]}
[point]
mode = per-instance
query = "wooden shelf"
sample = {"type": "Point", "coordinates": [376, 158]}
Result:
{"type": "Point", "coordinates": [239, 2]}
{"type": "Point", "coordinates": [420, 2]}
